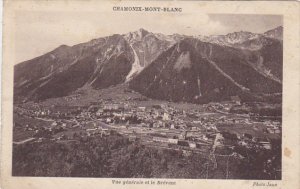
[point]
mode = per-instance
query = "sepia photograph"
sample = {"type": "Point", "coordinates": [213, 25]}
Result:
{"type": "Point", "coordinates": [150, 94]}
{"type": "Point", "coordinates": [130, 96]}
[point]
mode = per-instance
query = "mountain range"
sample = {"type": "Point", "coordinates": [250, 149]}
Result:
{"type": "Point", "coordinates": [176, 67]}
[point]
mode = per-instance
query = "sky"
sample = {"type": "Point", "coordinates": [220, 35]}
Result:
{"type": "Point", "coordinates": [39, 32]}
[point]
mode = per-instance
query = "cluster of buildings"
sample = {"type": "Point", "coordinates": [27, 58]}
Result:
{"type": "Point", "coordinates": [159, 125]}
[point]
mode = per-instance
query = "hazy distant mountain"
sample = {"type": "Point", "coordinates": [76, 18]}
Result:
{"type": "Point", "coordinates": [245, 40]}
{"type": "Point", "coordinates": [172, 67]}
{"type": "Point", "coordinates": [276, 33]}
{"type": "Point", "coordinates": [229, 39]}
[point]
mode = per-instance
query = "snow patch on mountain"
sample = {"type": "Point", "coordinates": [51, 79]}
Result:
{"type": "Point", "coordinates": [183, 61]}
{"type": "Point", "coordinates": [136, 66]}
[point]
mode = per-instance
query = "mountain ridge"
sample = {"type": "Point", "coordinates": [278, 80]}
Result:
{"type": "Point", "coordinates": [107, 61]}
{"type": "Point", "coordinates": [207, 64]}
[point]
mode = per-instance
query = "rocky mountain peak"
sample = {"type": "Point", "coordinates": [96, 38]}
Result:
{"type": "Point", "coordinates": [136, 35]}
{"type": "Point", "coordinates": [143, 32]}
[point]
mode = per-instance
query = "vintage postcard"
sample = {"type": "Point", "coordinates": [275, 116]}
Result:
{"type": "Point", "coordinates": [150, 94]}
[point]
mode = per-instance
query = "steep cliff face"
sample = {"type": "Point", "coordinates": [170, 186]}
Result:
{"type": "Point", "coordinates": [146, 46]}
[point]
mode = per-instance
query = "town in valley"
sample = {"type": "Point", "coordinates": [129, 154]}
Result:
{"type": "Point", "coordinates": [216, 129]}
{"type": "Point", "coordinates": [151, 105]}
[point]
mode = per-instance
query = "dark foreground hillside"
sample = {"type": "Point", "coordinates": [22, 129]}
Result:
{"type": "Point", "coordinates": [117, 157]}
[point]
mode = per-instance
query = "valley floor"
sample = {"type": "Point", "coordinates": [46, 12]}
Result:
{"type": "Point", "coordinates": [117, 132]}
